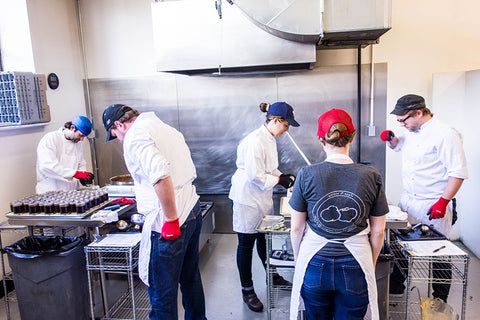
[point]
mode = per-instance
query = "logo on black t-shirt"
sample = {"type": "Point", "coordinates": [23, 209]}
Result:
{"type": "Point", "coordinates": [339, 212]}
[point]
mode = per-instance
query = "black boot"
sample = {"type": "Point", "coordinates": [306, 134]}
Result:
{"type": "Point", "coordinates": [252, 301]}
{"type": "Point", "coordinates": [278, 281]}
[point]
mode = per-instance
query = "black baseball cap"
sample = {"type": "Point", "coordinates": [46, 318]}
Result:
{"type": "Point", "coordinates": [111, 114]}
{"type": "Point", "coordinates": [407, 103]}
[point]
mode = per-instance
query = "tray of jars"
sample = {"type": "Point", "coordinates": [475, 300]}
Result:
{"type": "Point", "coordinates": [60, 204]}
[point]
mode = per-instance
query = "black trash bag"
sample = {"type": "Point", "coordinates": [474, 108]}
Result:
{"type": "Point", "coordinates": [37, 246]}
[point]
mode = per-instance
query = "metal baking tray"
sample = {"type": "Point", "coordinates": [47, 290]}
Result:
{"type": "Point", "coordinates": [416, 234]}
{"type": "Point", "coordinates": [59, 216]}
{"type": "Point", "coordinates": [268, 223]}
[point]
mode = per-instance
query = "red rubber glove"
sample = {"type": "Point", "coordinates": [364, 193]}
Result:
{"type": "Point", "coordinates": [123, 201]}
{"type": "Point", "coordinates": [387, 135]}
{"type": "Point", "coordinates": [437, 211]}
{"type": "Point", "coordinates": [171, 229]}
{"type": "Point", "coordinates": [84, 177]}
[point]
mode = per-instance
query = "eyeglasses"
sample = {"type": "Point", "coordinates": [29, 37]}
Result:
{"type": "Point", "coordinates": [284, 122]}
{"type": "Point", "coordinates": [404, 119]}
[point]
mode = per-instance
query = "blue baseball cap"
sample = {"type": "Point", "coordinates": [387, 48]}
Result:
{"type": "Point", "coordinates": [83, 124]}
{"type": "Point", "coordinates": [284, 110]}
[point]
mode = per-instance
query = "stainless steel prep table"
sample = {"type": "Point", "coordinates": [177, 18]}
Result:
{"type": "Point", "coordinates": [31, 221]}
{"type": "Point", "coordinates": [61, 221]}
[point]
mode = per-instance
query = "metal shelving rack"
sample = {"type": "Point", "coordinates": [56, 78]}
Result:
{"type": "Point", "coordinates": [134, 303]}
{"type": "Point", "coordinates": [5, 227]}
{"type": "Point", "coordinates": [278, 297]}
{"type": "Point", "coordinates": [418, 271]}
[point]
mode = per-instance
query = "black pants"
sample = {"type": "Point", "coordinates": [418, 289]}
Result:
{"type": "Point", "coordinates": [441, 271]}
{"type": "Point", "coordinates": [246, 242]}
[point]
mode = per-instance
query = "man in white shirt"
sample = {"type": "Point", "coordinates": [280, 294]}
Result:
{"type": "Point", "coordinates": [160, 163]}
{"type": "Point", "coordinates": [433, 168]}
{"type": "Point", "coordinates": [60, 161]}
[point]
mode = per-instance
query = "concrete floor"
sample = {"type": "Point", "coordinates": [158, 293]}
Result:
{"type": "Point", "coordinates": [222, 286]}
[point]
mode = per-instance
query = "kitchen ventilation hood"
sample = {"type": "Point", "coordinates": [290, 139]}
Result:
{"type": "Point", "coordinates": [211, 37]}
{"type": "Point", "coordinates": [328, 23]}
{"type": "Point", "coordinates": [190, 38]}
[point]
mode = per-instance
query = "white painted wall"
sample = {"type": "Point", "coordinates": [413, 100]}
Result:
{"type": "Point", "coordinates": [427, 37]}
{"type": "Point", "coordinates": [458, 94]}
{"type": "Point", "coordinates": [56, 48]}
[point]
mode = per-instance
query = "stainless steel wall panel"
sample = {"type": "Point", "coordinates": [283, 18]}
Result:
{"type": "Point", "coordinates": [311, 94]}
{"type": "Point", "coordinates": [215, 112]}
{"type": "Point", "coordinates": [156, 93]}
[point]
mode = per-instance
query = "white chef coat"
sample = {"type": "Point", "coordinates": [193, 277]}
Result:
{"type": "Point", "coordinates": [359, 247]}
{"type": "Point", "coordinates": [430, 156]}
{"type": "Point", "coordinates": [153, 151]}
{"type": "Point", "coordinates": [252, 184]}
{"type": "Point", "coordinates": [57, 161]}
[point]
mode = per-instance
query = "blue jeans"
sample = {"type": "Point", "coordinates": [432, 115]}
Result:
{"type": "Point", "coordinates": [334, 287]}
{"type": "Point", "coordinates": [174, 262]}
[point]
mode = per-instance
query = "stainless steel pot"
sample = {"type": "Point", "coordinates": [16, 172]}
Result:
{"type": "Point", "coordinates": [122, 180]}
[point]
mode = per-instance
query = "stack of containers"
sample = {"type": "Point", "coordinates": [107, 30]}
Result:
{"type": "Point", "coordinates": [22, 98]}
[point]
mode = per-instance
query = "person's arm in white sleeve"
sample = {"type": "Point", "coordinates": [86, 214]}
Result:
{"type": "Point", "coordinates": [255, 167]}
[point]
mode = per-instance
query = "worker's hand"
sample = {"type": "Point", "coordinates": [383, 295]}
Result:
{"type": "Point", "coordinates": [171, 229]}
{"type": "Point", "coordinates": [286, 180]}
{"type": "Point", "coordinates": [84, 177]}
{"type": "Point", "coordinates": [437, 211]}
{"type": "Point", "coordinates": [387, 135]}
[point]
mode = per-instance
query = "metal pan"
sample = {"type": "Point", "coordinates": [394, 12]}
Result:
{"type": "Point", "coordinates": [122, 180]}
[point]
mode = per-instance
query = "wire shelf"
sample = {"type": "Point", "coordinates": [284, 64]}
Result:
{"type": "Point", "coordinates": [278, 296]}
{"type": "Point", "coordinates": [112, 258]}
{"type": "Point", "coordinates": [421, 272]}
{"type": "Point", "coordinates": [123, 308]}
{"type": "Point", "coordinates": [9, 296]}
{"type": "Point", "coordinates": [422, 268]}
{"type": "Point", "coordinates": [397, 310]}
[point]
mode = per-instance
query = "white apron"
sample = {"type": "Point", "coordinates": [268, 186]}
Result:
{"type": "Point", "coordinates": [359, 247]}
{"type": "Point", "coordinates": [417, 212]}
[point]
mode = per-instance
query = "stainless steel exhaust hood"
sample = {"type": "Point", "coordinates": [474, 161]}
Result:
{"type": "Point", "coordinates": [191, 38]}
{"type": "Point", "coordinates": [211, 37]}
{"type": "Point", "coordinates": [328, 23]}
